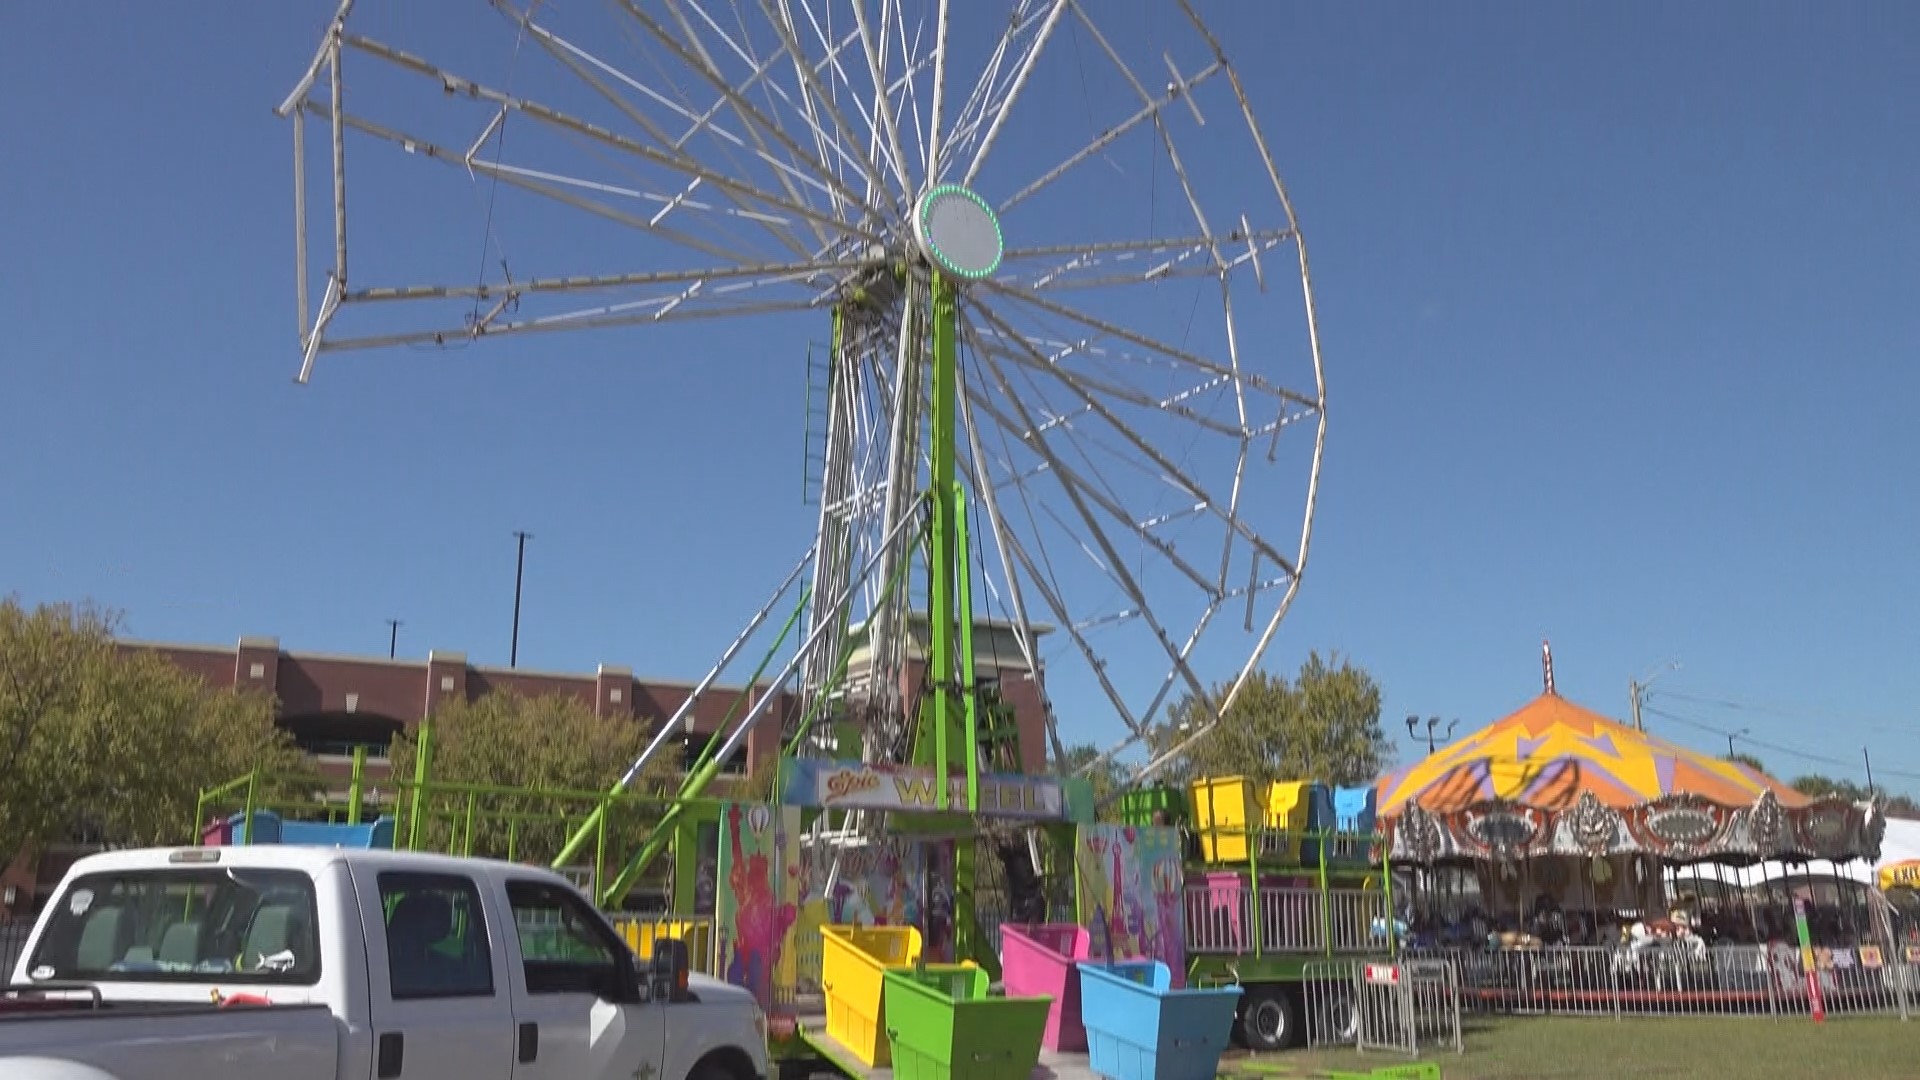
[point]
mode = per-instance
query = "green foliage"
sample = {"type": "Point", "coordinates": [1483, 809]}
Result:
{"type": "Point", "coordinates": [756, 787]}
{"type": "Point", "coordinates": [532, 750]}
{"type": "Point", "coordinates": [1749, 761]}
{"type": "Point", "coordinates": [1820, 787]}
{"type": "Point", "coordinates": [113, 746]}
{"type": "Point", "coordinates": [1107, 777]}
{"type": "Point", "coordinates": [1324, 724]}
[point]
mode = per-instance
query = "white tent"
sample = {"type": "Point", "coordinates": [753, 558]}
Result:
{"type": "Point", "coordinates": [1900, 844]}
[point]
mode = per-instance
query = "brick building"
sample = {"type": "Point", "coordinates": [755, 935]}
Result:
{"type": "Point", "coordinates": [332, 703]}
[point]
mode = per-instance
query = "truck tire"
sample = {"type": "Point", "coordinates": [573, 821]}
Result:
{"type": "Point", "coordinates": [1343, 1015]}
{"type": "Point", "coordinates": [1269, 1018]}
{"type": "Point", "coordinates": [722, 1065]}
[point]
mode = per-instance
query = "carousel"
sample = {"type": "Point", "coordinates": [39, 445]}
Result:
{"type": "Point", "coordinates": [1559, 827]}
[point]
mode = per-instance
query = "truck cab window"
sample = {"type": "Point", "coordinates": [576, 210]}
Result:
{"type": "Point", "coordinates": [436, 937]}
{"type": "Point", "coordinates": [183, 925]}
{"type": "Point", "coordinates": [565, 947]}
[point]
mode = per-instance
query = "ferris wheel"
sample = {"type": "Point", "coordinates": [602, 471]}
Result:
{"type": "Point", "coordinates": [1071, 383]}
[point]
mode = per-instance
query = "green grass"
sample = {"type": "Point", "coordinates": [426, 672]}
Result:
{"type": "Point", "coordinates": [1557, 1048]}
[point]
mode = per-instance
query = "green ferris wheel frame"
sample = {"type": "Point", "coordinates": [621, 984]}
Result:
{"type": "Point", "coordinates": [779, 175]}
{"type": "Point", "coordinates": [961, 237]}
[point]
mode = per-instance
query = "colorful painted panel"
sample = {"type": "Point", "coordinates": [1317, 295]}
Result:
{"type": "Point", "coordinates": [1130, 890]}
{"type": "Point", "coordinates": [754, 907]}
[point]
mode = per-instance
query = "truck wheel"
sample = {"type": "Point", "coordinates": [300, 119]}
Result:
{"type": "Point", "coordinates": [1343, 1016]}
{"type": "Point", "coordinates": [717, 1066]}
{"type": "Point", "coordinates": [1269, 1018]}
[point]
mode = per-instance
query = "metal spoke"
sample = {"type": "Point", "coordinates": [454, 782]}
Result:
{"type": "Point", "coordinates": [1116, 429]}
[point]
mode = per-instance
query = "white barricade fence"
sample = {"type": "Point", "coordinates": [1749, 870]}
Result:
{"type": "Point", "coordinates": [1434, 986]}
{"type": "Point", "coordinates": [1397, 1005]}
{"type": "Point", "coordinates": [1681, 979]}
{"type": "Point", "coordinates": [1384, 1001]}
{"type": "Point", "coordinates": [1328, 1005]}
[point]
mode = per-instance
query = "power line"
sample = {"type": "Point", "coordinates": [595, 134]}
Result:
{"type": "Point", "coordinates": [1779, 711]}
{"type": "Point", "coordinates": [1777, 748]}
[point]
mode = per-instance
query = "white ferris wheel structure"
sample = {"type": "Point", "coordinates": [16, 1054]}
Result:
{"type": "Point", "coordinates": [1071, 376]}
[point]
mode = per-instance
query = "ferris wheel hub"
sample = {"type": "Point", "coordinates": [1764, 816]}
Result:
{"type": "Point", "coordinates": [958, 232]}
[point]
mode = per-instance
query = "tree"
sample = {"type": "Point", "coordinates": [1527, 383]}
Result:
{"type": "Point", "coordinates": [1107, 777]}
{"type": "Point", "coordinates": [111, 746]}
{"type": "Point", "coordinates": [1820, 787]}
{"type": "Point", "coordinates": [1749, 761]}
{"type": "Point", "coordinates": [542, 761]}
{"type": "Point", "coordinates": [1323, 725]}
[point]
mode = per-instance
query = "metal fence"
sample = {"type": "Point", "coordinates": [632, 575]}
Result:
{"type": "Point", "coordinates": [1293, 919]}
{"type": "Point", "coordinates": [13, 941]}
{"type": "Point", "coordinates": [1400, 1006]}
{"type": "Point", "coordinates": [641, 931]}
{"type": "Point", "coordinates": [1683, 979]}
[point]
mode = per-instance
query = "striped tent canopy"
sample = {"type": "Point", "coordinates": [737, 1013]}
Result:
{"type": "Point", "coordinates": [1551, 751]}
{"type": "Point", "coordinates": [1558, 779]}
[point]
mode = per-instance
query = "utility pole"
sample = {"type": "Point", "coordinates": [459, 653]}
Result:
{"type": "Point", "coordinates": [393, 638]}
{"type": "Point", "coordinates": [1868, 758]}
{"type": "Point", "coordinates": [1732, 735]}
{"type": "Point", "coordinates": [519, 574]}
{"type": "Point", "coordinates": [1637, 690]}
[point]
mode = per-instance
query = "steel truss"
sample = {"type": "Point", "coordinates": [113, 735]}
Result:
{"type": "Point", "coordinates": [772, 154]}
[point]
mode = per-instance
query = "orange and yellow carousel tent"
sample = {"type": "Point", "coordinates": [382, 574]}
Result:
{"type": "Point", "coordinates": [1550, 751]}
{"type": "Point", "coordinates": [1557, 779]}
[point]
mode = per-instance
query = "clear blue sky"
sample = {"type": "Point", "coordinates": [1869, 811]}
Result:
{"type": "Point", "coordinates": [1617, 302]}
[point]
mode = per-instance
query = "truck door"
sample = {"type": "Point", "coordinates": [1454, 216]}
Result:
{"type": "Point", "coordinates": [576, 998]}
{"type": "Point", "coordinates": [437, 978]}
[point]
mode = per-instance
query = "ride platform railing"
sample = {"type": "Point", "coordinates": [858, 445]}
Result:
{"type": "Point", "coordinates": [1292, 919]}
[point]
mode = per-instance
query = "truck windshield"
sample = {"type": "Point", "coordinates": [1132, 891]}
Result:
{"type": "Point", "coordinates": [182, 925]}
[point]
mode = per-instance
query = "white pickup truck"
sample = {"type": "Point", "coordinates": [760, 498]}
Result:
{"type": "Point", "coordinates": [308, 963]}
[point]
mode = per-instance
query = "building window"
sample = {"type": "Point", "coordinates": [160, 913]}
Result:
{"type": "Point", "coordinates": [696, 745]}
{"type": "Point", "coordinates": [324, 746]}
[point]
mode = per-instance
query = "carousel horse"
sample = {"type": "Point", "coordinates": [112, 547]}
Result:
{"type": "Point", "coordinates": [1549, 925]}
{"type": "Point", "coordinates": [1674, 930]}
{"type": "Point", "coordinates": [1513, 940]}
{"type": "Point", "coordinates": [1378, 929]}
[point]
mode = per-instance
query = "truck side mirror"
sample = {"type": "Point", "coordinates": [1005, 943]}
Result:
{"type": "Point", "coordinates": [667, 972]}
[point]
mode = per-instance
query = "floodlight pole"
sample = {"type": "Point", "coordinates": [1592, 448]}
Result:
{"type": "Point", "coordinates": [519, 574]}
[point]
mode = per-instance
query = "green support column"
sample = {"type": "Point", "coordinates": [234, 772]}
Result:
{"type": "Point", "coordinates": [246, 813]}
{"type": "Point", "coordinates": [970, 711]}
{"type": "Point", "coordinates": [942, 600]}
{"type": "Point", "coordinates": [947, 594]}
{"type": "Point", "coordinates": [356, 788]}
{"type": "Point", "coordinates": [422, 758]}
